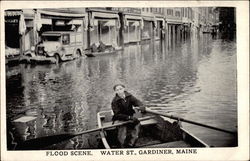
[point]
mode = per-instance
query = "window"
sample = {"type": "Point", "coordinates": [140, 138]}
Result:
{"type": "Point", "coordinates": [65, 39]}
{"type": "Point", "coordinates": [51, 38]}
{"type": "Point", "coordinates": [170, 12]}
{"type": "Point", "coordinates": [177, 14]}
{"type": "Point", "coordinates": [190, 13]}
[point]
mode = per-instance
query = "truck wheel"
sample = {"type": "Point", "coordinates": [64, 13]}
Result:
{"type": "Point", "coordinates": [57, 57]}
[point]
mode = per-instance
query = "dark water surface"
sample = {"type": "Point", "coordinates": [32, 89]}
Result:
{"type": "Point", "coordinates": [195, 79]}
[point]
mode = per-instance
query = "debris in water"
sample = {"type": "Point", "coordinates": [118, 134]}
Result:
{"type": "Point", "coordinates": [25, 119]}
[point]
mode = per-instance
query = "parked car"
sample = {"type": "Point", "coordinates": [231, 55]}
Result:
{"type": "Point", "coordinates": [58, 46]}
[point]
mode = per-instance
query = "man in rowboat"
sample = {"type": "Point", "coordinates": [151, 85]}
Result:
{"type": "Point", "coordinates": [122, 106]}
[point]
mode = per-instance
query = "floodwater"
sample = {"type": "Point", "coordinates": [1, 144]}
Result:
{"type": "Point", "coordinates": [194, 79]}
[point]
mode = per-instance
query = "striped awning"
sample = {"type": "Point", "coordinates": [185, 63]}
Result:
{"type": "Point", "coordinates": [12, 13]}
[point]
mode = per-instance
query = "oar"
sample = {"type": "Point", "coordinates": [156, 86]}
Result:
{"type": "Point", "coordinates": [157, 105]}
{"type": "Point", "coordinates": [189, 121]}
{"type": "Point", "coordinates": [42, 142]}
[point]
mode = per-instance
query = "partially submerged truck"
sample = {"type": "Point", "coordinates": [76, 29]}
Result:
{"type": "Point", "coordinates": [57, 46]}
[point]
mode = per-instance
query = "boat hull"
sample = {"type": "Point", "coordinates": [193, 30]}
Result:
{"type": "Point", "coordinates": [94, 54]}
{"type": "Point", "coordinates": [156, 132]}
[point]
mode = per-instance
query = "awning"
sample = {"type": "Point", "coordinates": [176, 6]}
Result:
{"type": "Point", "coordinates": [83, 22]}
{"type": "Point", "coordinates": [136, 23]}
{"type": "Point", "coordinates": [51, 34]}
{"type": "Point", "coordinates": [22, 25]}
{"type": "Point", "coordinates": [163, 21]}
{"type": "Point", "coordinates": [186, 24]}
{"type": "Point", "coordinates": [174, 22]}
{"type": "Point", "coordinates": [107, 23]}
{"type": "Point", "coordinates": [130, 17]}
{"type": "Point", "coordinates": [160, 19]}
{"type": "Point", "coordinates": [28, 13]}
{"type": "Point", "coordinates": [13, 13]}
{"type": "Point", "coordinates": [148, 18]}
{"type": "Point", "coordinates": [145, 18]}
{"type": "Point", "coordinates": [38, 21]}
{"type": "Point", "coordinates": [110, 23]}
{"type": "Point", "coordinates": [75, 22]}
{"type": "Point", "coordinates": [62, 14]}
{"type": "Point", "coordinates": [106, 16]}
{"type": "Point", "coordinates": [21, 21]}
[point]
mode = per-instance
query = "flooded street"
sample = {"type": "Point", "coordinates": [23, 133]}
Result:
{"type": "Point", "coordinates": [194, 79]}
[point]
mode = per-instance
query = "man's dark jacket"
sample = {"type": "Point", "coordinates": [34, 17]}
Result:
{"type": "Point", "coordinates": [123, 108]}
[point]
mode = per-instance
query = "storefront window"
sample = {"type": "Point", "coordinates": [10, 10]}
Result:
{"type": "Point", "coordinates": [65, 39]}
{"type": "Point", "coordinates": [132, 32]}
{"type": "Point", "coordinates": [12, 32]}
{"type": "Point", "coordinates": [158, 30]}
{"type": "Point", "coordinates": [29, 38]}
{"type": "Point", "coordinates": [94, 34]}
{"type": "Point", "coordinates": [113, 36]}
{"type": "Point", "coordinates": [147, 30]}
{"type": "Point", "coordinates": [105, 31]}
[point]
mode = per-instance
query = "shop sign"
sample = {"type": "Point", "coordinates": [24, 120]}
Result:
{"type": "Point", "coordinates": [13, 13]}
{"type": "Point", "coordinates": [12, 21]}
{"type": "Point", "coordinates": [126, 9]}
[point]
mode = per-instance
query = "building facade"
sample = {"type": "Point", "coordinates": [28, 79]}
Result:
{"type": "Point", "coordinates": [111, 25]}
{"type": "Point", "coordinates": [19, 32]}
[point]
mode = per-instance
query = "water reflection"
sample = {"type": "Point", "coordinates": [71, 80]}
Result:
{"type": "Point", "coordinates": [194, 78]}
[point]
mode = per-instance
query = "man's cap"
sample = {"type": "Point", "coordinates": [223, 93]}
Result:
{"type": "Point", "coordinates": [119, 84]}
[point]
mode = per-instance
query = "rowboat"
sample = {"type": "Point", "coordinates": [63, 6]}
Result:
{"type": "Point", "coordinates": [101, 53]}
{"type": "Point", "coordinates": [108, 51]}
{"type": "Point", "coordinates": [94, 54]}
{"type": "Point", "coordinates": [156, 132]}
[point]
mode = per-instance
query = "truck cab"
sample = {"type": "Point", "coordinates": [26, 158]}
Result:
{"type": "Point", "coordinates": [60, 45]}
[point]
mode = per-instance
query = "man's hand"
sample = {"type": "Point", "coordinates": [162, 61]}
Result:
{"type": "Point", "coordinates": [134, 119]}
{"type": "Point", "coordinates": [143, 109]}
